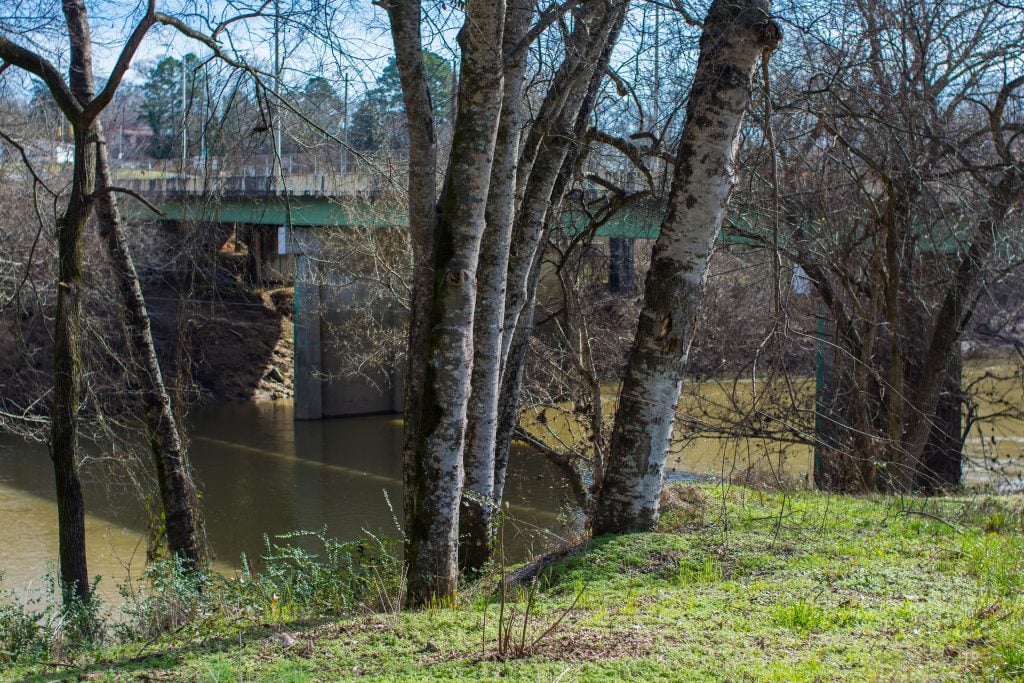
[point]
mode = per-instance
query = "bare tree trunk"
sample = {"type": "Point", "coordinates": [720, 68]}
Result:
{"type": "Point", "coordinates": [68, 322]}
{"type": "Point", "coordinates": [437, 467]}
{"type": "Point", "coordinates": [548, 143]}
{"type": "Point", "coordinates": [405, 22]}
{"type": "Point", "coordinates": [551, 153]}
{"type": "Point", "coordinates": [941, 467]}
{"type": "Point", "coordinates": [81, 106]}
{"type": "Point", "coordinates": [67, 361]}
{"type": "Point", "coordinates": [479, 503]}
{"type": "Point", "coordinates": [177, 491]}
{"type": "Point", "coordinates": [953, 315]}
{"type": "Point", "coordinates": [735, 36]}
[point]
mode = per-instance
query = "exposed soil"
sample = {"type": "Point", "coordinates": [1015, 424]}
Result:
{"type": "Point", "coordinates": [239, 346]}
{"type": "Point", "coordinates": [231, 343]}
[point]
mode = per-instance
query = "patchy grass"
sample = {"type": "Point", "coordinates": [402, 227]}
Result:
{"type": "Point", "coordinates": [737, 584]}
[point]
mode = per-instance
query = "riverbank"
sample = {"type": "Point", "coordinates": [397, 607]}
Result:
{"type": "Point", "coordinates": [737, 583]}
{"type": "Point", "coordinates": [216, 345]}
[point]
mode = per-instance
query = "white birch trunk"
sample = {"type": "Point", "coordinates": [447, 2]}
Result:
{"type": "Point", "coordinates": [736, 34]}
{"type": "Point", "coordinates": [479, 502]}
{"type": "Point", "coordinates": [546, 148]}
{"type": "Point", "coordinates": [551, 166]}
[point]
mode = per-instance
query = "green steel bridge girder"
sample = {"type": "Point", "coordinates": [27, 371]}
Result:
{"type": "Point", "coordinates": [632, 222]}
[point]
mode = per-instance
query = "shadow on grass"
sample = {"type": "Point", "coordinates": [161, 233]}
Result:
{"type": "Point", "coordinates": [170, 657]}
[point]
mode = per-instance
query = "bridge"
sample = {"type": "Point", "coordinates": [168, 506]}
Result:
{"type": "Point", "coordinates": [279, 218]}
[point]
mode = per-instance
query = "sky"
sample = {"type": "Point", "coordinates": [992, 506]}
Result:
{"type": "Point", "coordinates": [344, 37]}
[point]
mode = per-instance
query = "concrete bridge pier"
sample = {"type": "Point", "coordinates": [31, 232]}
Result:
{"type": "Point", "coordinates": [324, 305]}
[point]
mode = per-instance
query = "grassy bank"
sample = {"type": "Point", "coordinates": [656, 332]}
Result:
{"type": "Point", "coordinates": [737, 584]}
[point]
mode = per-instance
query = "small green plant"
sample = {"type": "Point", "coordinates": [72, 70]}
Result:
{"type": "Point", "coordinates": [997, 562]}
{"type": "Point", "coordinates": [707, 570]}
{"type": "Point", "coordinates": [81, 623]}
{"type": "Point", "coordinates": [1007, 658]}
{"type": "Point", "coordinates": [800, 616]}
{"type": "Point", "coordinates": [302, 574]}
{"type": "Point", "coordinates": [39, 625]}
{"type": "Point", "coordinates": [173, 597]}
{"type": "Point", "coordinates": [23, 633]}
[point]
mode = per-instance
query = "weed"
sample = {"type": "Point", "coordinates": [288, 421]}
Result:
{"type": "Point", "coordinates": [707, 571]}
{"type": "Point", "coordinates": [517, 632]}
{"type": "Point", "coordinates": [39, 625]}
{"type": "Point", "coordinates": [173, 598]}
{"type": "Point", "coordinates": [1009, 660]}
{"type": "Point", "coordinates": [22, 631]}
{"type": "Point", "coordinates": [336, 578]}
{"type": "Point", "coordinates": [997, 562]}
{"type": "Point", "coordinates": [800, 616]}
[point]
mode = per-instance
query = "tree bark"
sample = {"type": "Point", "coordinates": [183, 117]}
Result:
{"type": "Point", "coordinates": [952, 317]}
{"type": "Point", "coordinates": [67, 370]}
{"type": "Point", "coordinates": [735, 36]}
{"type": "Point", "coordinates": [547, 144]}
{"type": "Point", "coordinates": [551, 153]}
{"type": "Point", "coordinates": [405, 20]}
{"type": "Point", "coordinates": [177, 490]}
{"type": "Point", "coordinates": [67, 359]}
{"type": "Point", "coordinates": [479, 503]}
{"type": "Point", "coordinates": [436, 476]}
{"type": "Point", "coordinates": [941, 468]}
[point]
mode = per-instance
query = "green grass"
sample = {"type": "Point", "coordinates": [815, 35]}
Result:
{"type": "Point", "coordinates": [737, 584]}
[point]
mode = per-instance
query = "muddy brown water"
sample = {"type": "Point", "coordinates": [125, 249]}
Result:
{"type": "Point", "coordinates": [260, 473]}
{"type": "Point", "coordinates": [263, 473]}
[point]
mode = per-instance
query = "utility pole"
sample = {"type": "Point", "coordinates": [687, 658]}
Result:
{"type": "Point", "coordinates": [344, 130]}
{"type": "Point", "coordinates": [277, 93]}
{"type": "Point", "coordinates": [184, 120]}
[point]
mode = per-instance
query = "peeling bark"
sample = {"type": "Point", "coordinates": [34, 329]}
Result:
{"type": "Point", "coordinates": [736, 34]}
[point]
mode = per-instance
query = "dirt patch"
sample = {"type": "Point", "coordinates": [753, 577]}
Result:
{"type": "Point", "coordinates": [572, 644]}
{"type": "Point", "coordinates": [683, 507]}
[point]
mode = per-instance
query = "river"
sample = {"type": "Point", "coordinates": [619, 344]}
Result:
{"type": "Point", "coordinates": [260, 472]}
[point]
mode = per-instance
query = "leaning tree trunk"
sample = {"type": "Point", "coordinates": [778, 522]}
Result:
{"type": "Point", "coordinates": [436, 476]}
{"type": "Point", "coordinates": [736, 34]}
{"type": "Point", "coordinates": [177, 491]}
{"type": "Point", "coordinates": [550, 155]}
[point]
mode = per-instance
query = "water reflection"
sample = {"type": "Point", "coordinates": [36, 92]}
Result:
{"type": "Point", "coordinates": [259, 473]}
